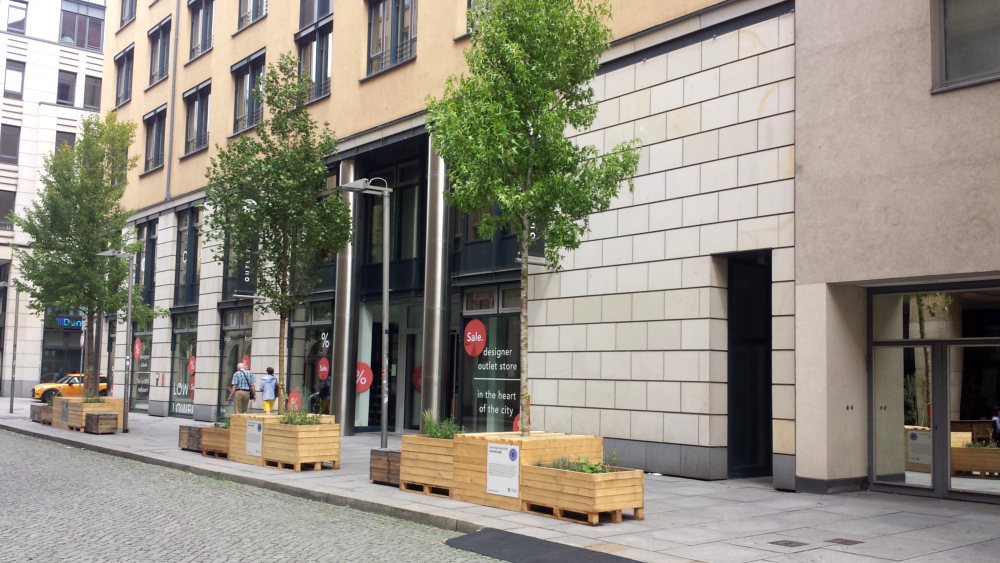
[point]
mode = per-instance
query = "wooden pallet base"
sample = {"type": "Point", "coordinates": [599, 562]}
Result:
{"type": "Point", "coordinates": [980, 475]}
{"type": "Point", "coordinates": [47, 422]}
{"type": "Point", "coordinates": [297, 467]}
{"type": "Point", "coordinates": [429, 490]}
{"type": "Point", "coordinates": [219, 455]}
{"type": "Point", "coordinates": [590, 519]}
{"type": "Point", "coordinates": [76, 429]}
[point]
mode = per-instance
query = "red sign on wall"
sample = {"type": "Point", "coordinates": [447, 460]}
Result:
{"type": "Point", "coordinates": [323, 369]}
{"type": "Point", "coordinates": [365, 377]}
{"type": "Point", "coordinates": [294, 401]}
{"type": "Point", "coordinates": [475, 337]}
{"type": "Point", "coordinates": [191, 386]}
{"type": "Point", "coordinates": [191, 365]}
{"type": "Point", "coordinates": [245, 361]}
{"type": "Point", "coordinates": [418, 376]}
{"type": "Point", "coordinates": [137, 348]}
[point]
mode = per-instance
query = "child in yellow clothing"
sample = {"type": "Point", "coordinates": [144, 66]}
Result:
{"type": "Point", "coordinates": [268, 406]}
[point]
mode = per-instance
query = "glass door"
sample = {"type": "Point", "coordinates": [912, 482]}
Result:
{"type": "Point", "coordinates": [902, 429]}
{"type": "Point", "coordinates": [974, 415]}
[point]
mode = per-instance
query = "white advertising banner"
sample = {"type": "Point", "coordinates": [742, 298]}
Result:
{"type": "Point", "coordinates": [255, 437]}
{"type": "Point", "coordinates": [503, 470]}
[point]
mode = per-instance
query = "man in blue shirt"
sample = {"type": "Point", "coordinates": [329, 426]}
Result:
{"type": "Point", "coordinates": [241, 389]}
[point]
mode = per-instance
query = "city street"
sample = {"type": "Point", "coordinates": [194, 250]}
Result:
{"type": "Point", "coordinates": [68, 504]}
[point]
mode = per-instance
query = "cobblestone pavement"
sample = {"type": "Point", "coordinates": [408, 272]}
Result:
{"type": "Point", "coordinates": [67, 504]}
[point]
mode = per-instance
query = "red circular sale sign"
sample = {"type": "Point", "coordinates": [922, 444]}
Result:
{"type": "Point", "coordinates": [475, 337]}
{"type": "Point", "coordinates": [294, 401]}
{"type": "Point", "coordinates": [245, 361]}
{"type": "Point", "coordinates": [191, 365]}
{"type": "Point", "coordinates": [517, 422]}
{"type": "Point", "coordinates": [365, 377]}
{"type": "Point", "coordinates": [418, 376]}
{"type": "Point", "coordinates": [323, 369]}
{"type": "Point", "coordinates": [137, 348]}
{"type": "Point", "coordinates": [191, 386]}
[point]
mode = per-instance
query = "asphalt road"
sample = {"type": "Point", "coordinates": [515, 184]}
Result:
{"type": "Point", "coordinates": [61, 504]}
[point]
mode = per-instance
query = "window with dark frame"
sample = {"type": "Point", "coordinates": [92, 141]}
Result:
{"type": "Point", "coordinates": [145, 263]}
{"type": "Point", "coordinates": [66, 89]}
{"type": "Point", "coordinates": [10, 142]}
{"type": "Point", "coordinates": [13, 84]}
{"type": "Point", "coordinates": [159, 51]}
{"type": "Point", "coordinates": [188, 257]}
{"type": "Point", "coordinates": [63, 137]}
{"type": "Point", "coordinates": [311, 11]}
{"type": "Point", "coordinates": [202, 26]}
{"type": "Point", "coordinates": [314, 58]}
{"type": "Point", "coordinates": [82, 25]}
{"type": "Point", "coordinates": [970, 41]}
{"type": "Point", "coordinates": [128, 11]}
{"type": "Point", "coordinates": [17, 15]}
{"type": "Point", "coordinates": [251, 11]}
{"type": "Point", "coordinates": [156, 122]}
{"type": "Point", "coordinates": [392, 33]}
{"type": "Point", "coordinates": [6, 208]}
{"type": "Point", "coordinates": [198, 103]}
{"type": "Point", "coordinates": [248, 110]}
{"type": "Point", "coordinates": [92, 92]}
{"type": "Point", "coordinates": [124, 64]}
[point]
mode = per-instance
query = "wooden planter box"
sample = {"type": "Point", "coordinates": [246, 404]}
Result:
{"type": "Point", "coordinates": [469, 472]}
{"type": "Point", "coordinates": [983, 463]}
{"type": "Point", "coordinates": [46, 413]}
{"type": "Point", "coordinates": [581, 497]}
{"type": "Point", "coordinates": [215, 442]}
{"type": "Point", "coordinates": [295, 448]}
{"type": "Point", "coordinates": [238, 437]}
{"type": "Point", "coordinates": [384, 467]}
{"type": "Point", "coordinates": [68, 413]}
{"type": "Point", "coordinates": [426, 465]}
{"type": "Point", "coordinates": [189, 438]}
{"type": "Point", "coordinates": [36, 413]}
{"type": "Point", "coordinates": [101, 423]}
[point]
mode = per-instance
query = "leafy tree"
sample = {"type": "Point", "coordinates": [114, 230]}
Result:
{"type": "Point", "coordinates": [263, 197]}
{"type": "Point", "coordinates": [502, 131]}
{"type": "Point", "coordinates": [78, 214]}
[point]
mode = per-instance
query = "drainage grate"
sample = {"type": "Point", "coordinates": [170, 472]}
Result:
{"type": "Point", "coordinates": [842, 541]}
{"type": "Point", "coordinates": [788, 543]}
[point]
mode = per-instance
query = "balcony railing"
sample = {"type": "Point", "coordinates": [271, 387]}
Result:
{"type": "Point", "coordinates": [257, 10]}
{"type": "Point", "coordinates": [406, 50]}
{"type": "Point", "coordinates": [157, 74]}
{"type": "Point", "coordinates": [199, 48]}
{"type": "Point", "coordinates": [195, 143]}
{"type": "Point", "coordinates": [319, 89]}
{"type": "Point", "coordinates": [248, 120]}
{"type": "Point", "coordinates": [123, 96]}
{"type": "Point", "coordinates": [154, 160]}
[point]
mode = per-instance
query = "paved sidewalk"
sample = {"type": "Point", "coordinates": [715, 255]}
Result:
{"type": "Point", "coordinates": [712, 522]}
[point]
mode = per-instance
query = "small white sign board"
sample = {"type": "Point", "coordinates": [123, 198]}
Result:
{"type": "Point", "coordinates": [255, 437]}
{"type": "Point", "coordinates": [503, 470]}
{"type": "Point", "coordinates": [920, 450]}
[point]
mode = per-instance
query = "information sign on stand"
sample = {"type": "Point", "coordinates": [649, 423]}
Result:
{"type": "Point", "coordinates": [255, 437]}
{"type": "Point", "coordinates": [503, 470]}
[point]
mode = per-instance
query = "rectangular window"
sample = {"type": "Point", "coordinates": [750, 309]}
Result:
{"type": "Point", "coordinates": [17, 14]}
{"type": "Point", "coordinates": [92, 92]}
{"type": "Point", "coordinates": [155, 126]}
{"type": "Point", "coordinates": [248, 111]}
{"type": "Point", "coordinates": [13, 84]}
{"type": "Point", "coordinates": [314, 58]}
{"type": "Point", "coordinates": [197, 101]}
{"type": "Point", "coordinates": [188, 257]}
{"type": "Point", "coordinates": [311, 11]}
{"type": "Point", "coordinates": [66, 90]}
{"type": "Point", "coordinates": [202, 26]}
{"type": "Point", "coordinates": [145, 265]}
{"type": "Point", "coordinates": [124, 64]}
{"type": "Point", "coordinates": [6, 208]}
{"type": "Point", "coordinates": [128, 11]}
{"type": "Point", "coordinates": [159, 51]}
{"type": "Point", "coordinates": [84, 31]}
{"type": "Point", "coordinates": [392, 33]}
{"type": "Point", "coordinates": [10, 141]}
{"type": "Point", "coordinates": [65, 138]}
{"type": "Point", "coordinates": [971, 37]}
{"type": "Point", "coordinates": [251, 11]}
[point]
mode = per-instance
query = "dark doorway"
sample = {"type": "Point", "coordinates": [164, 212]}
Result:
{"type": "Point", "coordinates": [749, 381]}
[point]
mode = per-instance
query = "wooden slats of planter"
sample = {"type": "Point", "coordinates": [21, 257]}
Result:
{"type": "Point", "coordinates": [189, 438]}
{"type": "Point", "coordinates": [296, 448]}
{"type": "Point", "coordinates": [46, 412]}
{"type": "Point", "coordinates": [238, 437]}
{"type": "Point", "coordinates": [36, 413]}
{"type": "Point", "coordinates": [100, 423]}
{"type": "Point", "coordinates": [215, 442]}
{"type": "Point", "coordinates": [982, 463]}
{"type": "Point", "coordinates": [581, 497]}
{"type": "Point", "coordinates": [469, 473]}
{"type": "Point", "coordinates": [426, 465]}
{"type": "Point", "coordinates": [384, 467]}
{"type": "Point", "coordinates": [68, 412]}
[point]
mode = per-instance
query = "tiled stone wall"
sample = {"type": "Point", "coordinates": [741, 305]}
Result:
{"type": "Point", "coordinates": [629, 340]}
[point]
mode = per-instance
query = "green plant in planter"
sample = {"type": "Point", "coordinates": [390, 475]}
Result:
{"type": "Point", "coordinates": [300, 418]}
{"type": "Point", "coordinates": [48, 399]}
{"type": "Point", "coordinates": [444, 430]}
{"type": "Point", "coordinates": [985, 445]}
{"type": "Point", "coordinates": [224, 424]}
{"type": "Point", "coordinates": [93, 399]}
{"type": "Point", "coordinates": [582, 464]}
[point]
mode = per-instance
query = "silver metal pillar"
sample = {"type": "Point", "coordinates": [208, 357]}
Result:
{"type": "Point", "coordinates": [345, 319]}
{"type": "Point", "coordinates": [437, 290]}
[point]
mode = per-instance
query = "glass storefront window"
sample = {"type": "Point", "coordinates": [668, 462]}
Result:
{"type": "Point", "coordinates": [973, 376]}
{"type": "Point", "coordinates": [482, 301]}
{"type": "Point", "coordinates": [141, 366]}
{"type": "Point", "coordinates": [183, 365]}
{"type": "Point", "coordinates": [511, 299]}
{"type": "Point", "coordinates": [973, 313]}
{"type": "Point", "coordinates": [237, 347]}
{"type": "Point", "coordinates": [491, 373]}
{"type": "Point", "coordinates": [309, 380]}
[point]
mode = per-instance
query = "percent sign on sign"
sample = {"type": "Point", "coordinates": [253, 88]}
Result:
{"type": "Point", "coordinates": [365, 377]}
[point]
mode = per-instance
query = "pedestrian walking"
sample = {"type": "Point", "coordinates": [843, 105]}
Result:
{"type": "Point", "coordinates": [242, 391]}
{"type": "Point", "coordinates": [269, 390]}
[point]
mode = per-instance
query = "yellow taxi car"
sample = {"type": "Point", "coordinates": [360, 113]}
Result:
{"type": "Point", "coordinates": [70, 385]}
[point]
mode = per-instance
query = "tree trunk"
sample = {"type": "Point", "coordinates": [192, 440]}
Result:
{"type": "Point", "coordinates": [282, 334]}
{"type": "Point", "coordinates": [91, 385]}
{"type": "Point", "coordinates": [525, 398]}
{"type": "Point", "coordinates": [95, 352]}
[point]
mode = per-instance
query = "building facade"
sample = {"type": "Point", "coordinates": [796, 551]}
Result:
{"type": "Point", "coordinates": [702, 314]}
{"type": "Point", "coordinates": [54, 61]}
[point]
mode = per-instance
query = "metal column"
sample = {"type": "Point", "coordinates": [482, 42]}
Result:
{"type": "Point", "coordinates": [437, 290]}
{"type": "Point", "coordinates": [345, 320]}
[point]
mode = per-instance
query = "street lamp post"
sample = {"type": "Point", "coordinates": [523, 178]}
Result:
{"type": "Point", "coordinates": [13, 356]}
{"type": "Point", "coordinates": [364, 186]}
{"type": "Point", "coordinates": [128, 328]}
